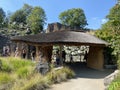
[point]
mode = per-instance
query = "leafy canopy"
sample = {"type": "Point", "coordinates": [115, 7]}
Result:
{"type": "Point", "coordinates": [73, 17]}
{"type": "Point", "coordinates": [30, 18]}
{"type": "Point", "coordinates": [110, 31]}
{"type": "Point", "coordinates": [36, 20]}
{"type": "Point", "coordinates": [21, 15]}
{"type": "Point", "coordinates": [2, 16]}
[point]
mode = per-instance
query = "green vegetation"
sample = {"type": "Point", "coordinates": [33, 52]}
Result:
{"type": "Point", "coordinates": [26, 20]}
{"type": "Point", "coordinates": [73, 17]}
{"type": "Point", "coordinates": [2, 16]}
{"type": "Point", "coordinates": [110, 31]}
{"type": "Point", "coordinates": [115, 85]}
{"type": "Point", "coordinates": [19, 74]}
{"type": "Point", "coordinates": [36, 20]}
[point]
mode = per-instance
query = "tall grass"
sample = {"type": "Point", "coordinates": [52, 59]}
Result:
{"type": "Point", "coordinates": [13, 64]}
{"type": "Point", "coordinates": [19, 74]}
{"type": "Point", "coordinates": [5, 78]}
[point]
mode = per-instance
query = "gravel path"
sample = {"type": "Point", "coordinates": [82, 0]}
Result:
{"type": "Point", "coordinates": [86, 79]}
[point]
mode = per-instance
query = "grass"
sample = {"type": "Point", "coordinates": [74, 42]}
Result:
{"type": "Point", "coordinates": [19, 74]}
{"type": "Point", "coordinates": [5, 78]}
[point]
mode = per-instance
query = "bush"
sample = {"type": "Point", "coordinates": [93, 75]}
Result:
{"type": "Point", "coordinates": [56, 76]}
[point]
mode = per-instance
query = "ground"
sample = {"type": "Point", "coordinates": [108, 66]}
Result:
{"type": "Point", "coordinates": [85, 79]}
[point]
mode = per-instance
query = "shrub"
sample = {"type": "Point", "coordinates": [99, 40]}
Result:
{"type": "Point", "coordinates": [56, 76]}
{"type": "Point", "coordinates": [69, 72]}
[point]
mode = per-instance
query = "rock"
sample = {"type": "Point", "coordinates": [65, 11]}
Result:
{"type": "Point", "coordinates": [42, 67]}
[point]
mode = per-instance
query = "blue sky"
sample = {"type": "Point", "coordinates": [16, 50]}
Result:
{"type": "Point", "coordinates": [95, 10]}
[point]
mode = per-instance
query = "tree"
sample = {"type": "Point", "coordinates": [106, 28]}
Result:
{"type": "Point", "coordinates": [110, 31]}
{"type": "Point", "coordinates": [2, 16]}
{"type": "Point", "coordinates": [73, 17]}
{"type": "Point", "coordinates": [20, 16]}
{"type": "Point", "coordinates": [36, 20]}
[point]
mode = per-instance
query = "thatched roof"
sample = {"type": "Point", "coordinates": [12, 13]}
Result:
{"type": "Point", "coordinates": [61, 37]}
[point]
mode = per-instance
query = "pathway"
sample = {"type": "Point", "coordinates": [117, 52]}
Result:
{"type": "Point", "coordinates": [86, 79]}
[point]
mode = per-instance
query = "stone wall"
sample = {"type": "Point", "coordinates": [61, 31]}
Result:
{"type": "Point", "coordinates": [58, 26]}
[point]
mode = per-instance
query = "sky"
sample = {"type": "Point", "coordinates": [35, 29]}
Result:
{"type": "Point", "coordinates": [95, 10]}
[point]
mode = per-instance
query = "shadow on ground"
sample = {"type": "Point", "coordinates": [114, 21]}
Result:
{"type": "Point", "coordinates": [82, 71]}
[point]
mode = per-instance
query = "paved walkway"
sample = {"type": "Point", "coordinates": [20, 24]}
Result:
{"type": "Point", "coordinates": [86, 79]}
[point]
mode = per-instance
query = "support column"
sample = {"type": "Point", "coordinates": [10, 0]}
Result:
{"type": "Point", "coordinates": [37, 53]}
{"type": "Point", "coordinates": [19, 50]}
{"type": "Point", "coordinates": [61, 59]}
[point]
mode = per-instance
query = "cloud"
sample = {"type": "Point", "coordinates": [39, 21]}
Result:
{"type": "Point", "coordinates": [96, 22]}
{"type": "Point", "coordinates": [95, 18]}
{"type": "Point", "coordinates": [103, 21]}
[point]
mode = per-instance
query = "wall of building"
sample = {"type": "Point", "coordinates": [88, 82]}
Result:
{"type": "Point", "coordinates": [95, 58]}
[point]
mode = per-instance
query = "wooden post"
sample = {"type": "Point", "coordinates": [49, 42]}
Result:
{"type": "Point", "coordinates": [61, 59]}
{"type": "Point", "coordinates": [19, 49]}
{"type": "Point", "coordinates": [37, 53]}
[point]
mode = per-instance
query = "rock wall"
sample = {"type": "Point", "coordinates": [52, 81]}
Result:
{"type": "Point", "coordinates": [58, 26]}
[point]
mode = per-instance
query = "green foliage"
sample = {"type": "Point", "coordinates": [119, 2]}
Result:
{"type": "Point", "coordinates": [11, 64]}
{"type": "Point", "coordinates": [2, 16]}
{"type": "Point", "coordinates": [18, 17]}
{"type": "Point", "coordinates": [73, 17]}
{"type": "Point", "coordinates": [21, 15]}
{"type": "Point", "coordinates": [5, 78]}
{"type": "Point", "coordinates": [6, 67]}
{"type": "Point", "coordinates": [35, 83]}
{"type": "Point", "coordinates": [119, 63]}
{"type": "Point", "coordinates": [110, 31]}
{"type": "Point", "coordinates": [19, 74]}
{"type": "Point", "coordinates": [115, 85]}
{"type": "Point", "coordinates": [36, 20]}
{"type": "Point", "coordinates": [60, 75]}
{"type": "Point", "coordinates": [25, 72]}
